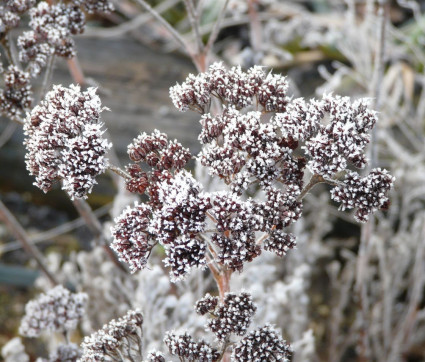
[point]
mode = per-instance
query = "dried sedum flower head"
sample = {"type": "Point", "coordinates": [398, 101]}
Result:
{"type": "Point", "coordinates": [185, 347]}
{"type": "Point", "coordinates": [367, 194]}
{"type": "Point", "coordinates": [232, 316]}
{"type": "Point", "coordinates": [65, 140]}
{"type": "Point", "coordinates": [155, 356]}
{"type": "Point", "coordinates": [33, 52]}
{"type": "Point", "coordinates": [54, 25]}
{"type": "Point", "coordinates": [131, 240]}
{"type": "Point", "coordinates": [64, 353]}
{"type": "Point", "coordinates": [56, 311]}
{"type": "Point", "coordinates": [10, 12]}
{"type": "Point", "coordinates": [263, 344]}
{"type": "Point", "coordinates": [95, 6]}
{"type": "Point", "coordinates": [17, 95]}
{"type": "Point", "coordinates": [117, 339]}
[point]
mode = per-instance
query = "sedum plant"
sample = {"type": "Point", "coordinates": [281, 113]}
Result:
{"type": "Point", "coordinates": [267, 149]}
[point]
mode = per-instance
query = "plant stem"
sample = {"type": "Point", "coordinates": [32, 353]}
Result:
{"type": "Point", "coordinates": [96, 228]}
{"type": "Point", "coordinates": [119, 172]}
{"type": "Point", "coordinates": [15, 227]}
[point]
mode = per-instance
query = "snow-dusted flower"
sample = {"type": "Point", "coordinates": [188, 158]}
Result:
{"type": "Point", "coordinates": [95, 6]}
{"type": "Point", "coordinates": [54, 25]}
{"type": "Point", "coordinates": [367, 194]}
{"type": "Point", "coordinates": [343, 138]}
{"type": "Point", "coordinates": [10, 12]}
{"type": "Point", "coordinates": [118, 338]}
{"type": "Point", "coordinates": [263, 344]}
{"type": "Point", "coordinates": [132, 241]}
{"type": "Point", "coordinates": [185, 347]}
{"type": "Point", "coordinates": [64, 353]}
{"type": "Point", "coordinates": [232, 316]}
{"type": "Point", "coordinates": [33, 52]}
{"type": "Point", "coordinates": [56, 311]}
{"type": "Point", "coordinates": [65, 140]}
{"type": "Point", "coordinates": [155, 356]}
{"type": "Point", "coordinates": [17, 95]}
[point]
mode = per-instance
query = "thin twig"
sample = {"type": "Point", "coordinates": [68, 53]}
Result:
{"type": "Point", "coordinates": [47, 76]}
{"type": "Point", "coordinates": [95, 227]}
{"type": "Point", "coordinates": [194, 23]}
{"type": "Point", "coordinates": [216, 28]}
{"type": "Point", "coordinates": [76, 71]}
{"type": "Point", "coordinates": [165, 23]}
{"type": "Point", "coordinates": [19, 232]}
{"type": "Point", "coordinates": [119, 172]}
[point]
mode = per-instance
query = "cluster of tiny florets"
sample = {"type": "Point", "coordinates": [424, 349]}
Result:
{"type": "Point", "coordinates": [155, 356]}
{"type": "Point", "coordinates": [118, 338]}
{"type": "Point", "coordinates": [279, 242]}
{"type": "Point", "coordinates": [367, 194]}
{"type": "Point", "coordinates": [232, 316]}
{"type": "Point", "coordinates": [343, 138]}
{"type": "Point", "coordinates": [256, 142]}
{"type": "Point", "coordinates": [263, 344]}
{"type": "Point", "coordinates": [58, 310]}
{"type": "Point", "coordinates": [10, 13]}
{"type": "Point", "coordinates": [131, 241]}
{"type": "Point", "coordinates": [185, 347]}
{"type": "Point", "coordinates": [53, 25]}
{"type": "Point", "coordinates": [65, 140]}
{"type": "Point", "coordinates": [207, 304]}
{"type": "Point", "coordinates": [158, 152]}
{"type": "Point", "coordinates": [64, 353]}
{"type": "Point", "coordinates": [16, 97]}
{"type": "Point", "coordinates": [95, 6]}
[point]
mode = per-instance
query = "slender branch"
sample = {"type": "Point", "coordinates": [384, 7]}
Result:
{"type": "Point", "coordinates": [194, 22]}
{"type": "Point", "coordinates": [20, 234]}
{"type": "Point", "coordinates": [165, 23]}
{"type": "Point", "coordinates": [76, 71]}
{"type": "Point", "coordinates": [216, 29]}
{"type": "Point", "coordinates": [119, 172]}
{"type": "Point", "coordinates": [96, 228]}
{"type": "Point", "coordinates": [47, 76]}
{"type": "Point", "coordinates": [315, 179]}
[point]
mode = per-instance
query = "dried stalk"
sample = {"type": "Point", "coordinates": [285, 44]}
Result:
{"type": "Point", "coordinates": [16, 229]}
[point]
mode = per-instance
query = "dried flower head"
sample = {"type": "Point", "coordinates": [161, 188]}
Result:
{"type": "Point", "coordinates": [367, 194]}
{"type": "Point", "coordinates": [155, 356]}
{"type": "Point", "coordinates": [64, 353]}
{"type": "Point", "coordinates": [131, 240]}
{"type": "Point", "coordinates": [95, 6]}
{"type": "Point", "coordinates": [232, 316]}
{"type": "Point", "coordinates": [33, 52]}
{"type": "Point", "coordinates": [55, 24]}
{"type": "Point", "coordinates": [17, 94]}
{"type": "Point", "coordinates": [185, 347]}
{"type": "Point", "coordinates": [65, 140]}
{"type": "Point", "coordinates": [56, 311]}
{"type": "Point", "coordinates": [10, 12]}
{"type": "Point", "coordinates": [117, 339]}
{"type": "Point", "coordinates": [263, 344]}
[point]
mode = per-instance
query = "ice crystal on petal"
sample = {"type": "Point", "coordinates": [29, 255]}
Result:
{"type": "Point", "coordinates": [56, 311]}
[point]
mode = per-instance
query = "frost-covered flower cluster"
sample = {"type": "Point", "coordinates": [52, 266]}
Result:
{"type": "Point", "coordinates": [233, 315]}
{"type": "Point", "coordinates": [95, 6]}
{"type": "Point", "coordinates": [10, 13]}
{"type": "Point", "coordinates": [119, 339]}
{"type": "Point", "coordinates": [65, 140]}
{"type": "Point", "coordinates": [16, 97]}
{"type": "Point", "coordinates": [367, 194]}
{"type": "Point", "coordinates": [56, 311]}
{"type": "Point", "coordinates": [227, 319]}
{"type": "Point", "coordinates": [53, 25]}
{"type": "Point", "coordinates": [186, 348]}
{"type": "Point", "coordinates": [269, 148]}
{"type": "Point", "coordinates": [64, 353]}
{"type": "Point", "coordinates": [263, 344]}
